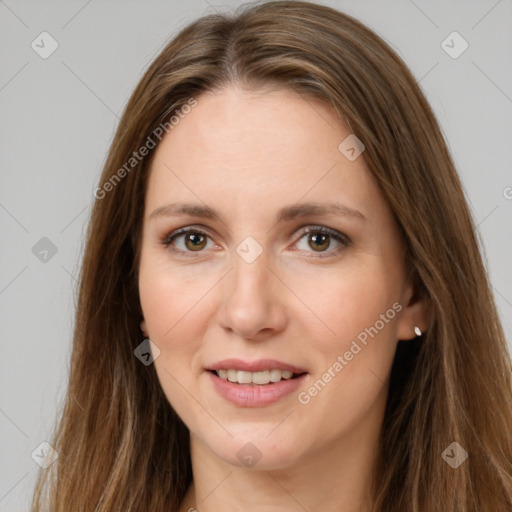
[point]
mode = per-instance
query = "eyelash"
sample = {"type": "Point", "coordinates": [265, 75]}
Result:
{"type": "Point", "coordinates": [339, 237]}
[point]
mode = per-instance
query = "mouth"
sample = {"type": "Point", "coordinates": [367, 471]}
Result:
{"type": "Point", "coordinates": [255, 384]}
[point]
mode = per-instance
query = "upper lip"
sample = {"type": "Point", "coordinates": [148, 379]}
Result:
{"type": "Point", "coordinates": [254, 366]}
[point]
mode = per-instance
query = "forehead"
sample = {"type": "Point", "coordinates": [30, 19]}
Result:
{"type": "Point", "coordinates": [250, 149]}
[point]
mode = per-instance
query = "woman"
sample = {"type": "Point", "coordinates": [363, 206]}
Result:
{"type": "Point", "coordinates": [282, 301]}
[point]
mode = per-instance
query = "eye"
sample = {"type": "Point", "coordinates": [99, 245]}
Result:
{"type": "Point", "coordinates": [319, 238]}
{"type": "Point", "coordinates": [194, 240]}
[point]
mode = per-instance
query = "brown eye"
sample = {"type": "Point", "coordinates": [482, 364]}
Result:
{"type": "Point", "coordinates": [322, 240]}
{"type": "Point", "coordinates": [319, 241]}
{"type": "Point", "coordinates": [186, 240]}
{"type": "Point", "coordinates": [195, 241]}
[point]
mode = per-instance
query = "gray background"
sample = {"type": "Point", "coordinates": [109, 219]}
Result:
{"type": "Point", "coordinates": [58, 117]}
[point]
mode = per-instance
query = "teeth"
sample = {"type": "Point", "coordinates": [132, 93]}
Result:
{"type": "Point", "coordinates": [244, 377]}
{"type": "Point", "coordinates": [264, 377]}
{"type": "Point", "coordinates": [260, 377]}
{"type": "Point", "coordinates": [275, 376]}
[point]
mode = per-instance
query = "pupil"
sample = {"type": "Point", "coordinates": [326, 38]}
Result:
{"type": "Point", "coordinates": [323, 238]}
{"type": "Point", "coordinates": [195, 239]}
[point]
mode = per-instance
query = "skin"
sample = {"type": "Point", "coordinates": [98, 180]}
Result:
{"type": "Point", "coordinates": [247, 154]}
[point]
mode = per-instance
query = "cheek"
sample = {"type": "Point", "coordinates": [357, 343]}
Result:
{"type": "Point", "coordinates": [174, 304]}
{"type": "Point", "coordinates": [355, 344]}
{"type": "Point", "coordinates": [342, 304]}
{"type": "Point", "coordinates": [169, 298]}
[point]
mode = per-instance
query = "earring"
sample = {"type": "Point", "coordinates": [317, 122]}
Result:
{"type": "Point", "coordinates": [417, 330]}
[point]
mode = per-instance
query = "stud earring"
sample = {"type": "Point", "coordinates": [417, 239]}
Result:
{"type": "Point", "coordinates": [417, 330]}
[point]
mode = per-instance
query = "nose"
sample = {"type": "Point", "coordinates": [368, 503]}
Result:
{"type": "Point", "coordinates": [253, 300]}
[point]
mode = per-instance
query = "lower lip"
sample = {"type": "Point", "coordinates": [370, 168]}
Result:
{"type": "Point", "coordinates": [255, 395]}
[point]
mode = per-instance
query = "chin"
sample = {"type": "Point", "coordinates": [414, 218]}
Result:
{"type": "Point", "coordinates": [254, 452]}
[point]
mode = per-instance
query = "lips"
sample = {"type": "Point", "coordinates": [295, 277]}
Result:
{"type": "Point", "coordinates": [245, 394]}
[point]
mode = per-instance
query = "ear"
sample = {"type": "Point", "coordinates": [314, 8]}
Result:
{"type": "Point", "coordinates": [415, 310]}
{"type": "Point", "coordinates": [143, 328]}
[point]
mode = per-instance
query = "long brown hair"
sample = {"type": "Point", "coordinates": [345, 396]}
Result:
{"type": "Point", "coordinates": [120, 444]}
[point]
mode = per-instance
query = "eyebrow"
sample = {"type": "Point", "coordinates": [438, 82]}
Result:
{"type": "Point", "coordinates": [286, 213]}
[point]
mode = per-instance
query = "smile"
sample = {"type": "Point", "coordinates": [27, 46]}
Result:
{"type": "Point", "coordinates": [257, 383]}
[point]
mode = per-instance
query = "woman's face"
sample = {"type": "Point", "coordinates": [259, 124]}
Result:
{"type": "Point", "coordinates": [271, 278]}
